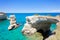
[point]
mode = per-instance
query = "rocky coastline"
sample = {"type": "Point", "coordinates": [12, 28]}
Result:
{"type": "Point", "coordinates": [42, 25]}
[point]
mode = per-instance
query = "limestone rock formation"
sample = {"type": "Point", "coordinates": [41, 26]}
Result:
{"type": "Point", "coordinates": [35, 23]}
{"type": "Point", "coordinates": [12, 22]}
{"type": "Point", "coordinates": [57, 35]}
{"type": "Point", "coordinates": [3, 16]}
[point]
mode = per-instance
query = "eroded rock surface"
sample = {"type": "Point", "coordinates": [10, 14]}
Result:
{"type": "Point", "coordinates": [13, 23]}
{"type": "Point", "coordinates": [35, 23]}
{"type": "Point", "coordinates": [57, 32]}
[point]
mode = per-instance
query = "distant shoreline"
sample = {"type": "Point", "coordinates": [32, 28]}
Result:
{"type": "Point", "coordinates": [48, 14]}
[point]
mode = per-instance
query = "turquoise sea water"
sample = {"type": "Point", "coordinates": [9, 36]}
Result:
{"type": "Point", "coordinates": [16, 34]}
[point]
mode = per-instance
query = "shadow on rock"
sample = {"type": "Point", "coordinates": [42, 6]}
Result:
{"type": "Point", "coordinates": [46, 34]}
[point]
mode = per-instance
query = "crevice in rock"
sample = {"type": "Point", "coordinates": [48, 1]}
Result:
{"type": "Point", "coordinates": [46, 34]}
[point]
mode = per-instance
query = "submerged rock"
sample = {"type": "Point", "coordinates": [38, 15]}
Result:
{"type": "Point", "coordinates": [35, 23]}
{"type": "Point", "coordinates": [3, 16]}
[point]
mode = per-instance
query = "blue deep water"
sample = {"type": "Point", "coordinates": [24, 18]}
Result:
{"type": "Point", "coordinates": [16, 34]}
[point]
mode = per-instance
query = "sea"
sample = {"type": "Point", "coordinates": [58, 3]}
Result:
{"type": "Point", "coordinates": [16, 34]}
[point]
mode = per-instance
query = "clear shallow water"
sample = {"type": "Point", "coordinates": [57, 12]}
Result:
{"type": "Point", "coordinates": [16, 34]}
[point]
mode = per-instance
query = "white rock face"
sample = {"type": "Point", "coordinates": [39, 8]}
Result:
{"type": "Point", "coordinates": [28, 29]}
{"type": "Point", "coordinates": [35, 23]}
{"type": "Point", "coordinates": [12, 22]}
{"type": "Point", "coordinates": [3, 16]}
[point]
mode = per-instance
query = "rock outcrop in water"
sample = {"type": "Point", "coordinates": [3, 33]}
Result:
{"type": "Point", "coordinates": [13, 23]}
{"type": "Point", "coordinates": [42, 25]}
{"type": "Point", "coordinates": [3, 16]}
{"type": "Point", "coordinates": [37, 22]}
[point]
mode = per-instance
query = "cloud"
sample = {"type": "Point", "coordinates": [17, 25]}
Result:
{"type": "Point", "coordinates": [50, 11]}
{"type": "Point", "coordinates": [54, 11]}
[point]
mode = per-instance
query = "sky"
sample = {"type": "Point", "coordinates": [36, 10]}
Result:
{"type": "Point", "coordinates": [29, 6]}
